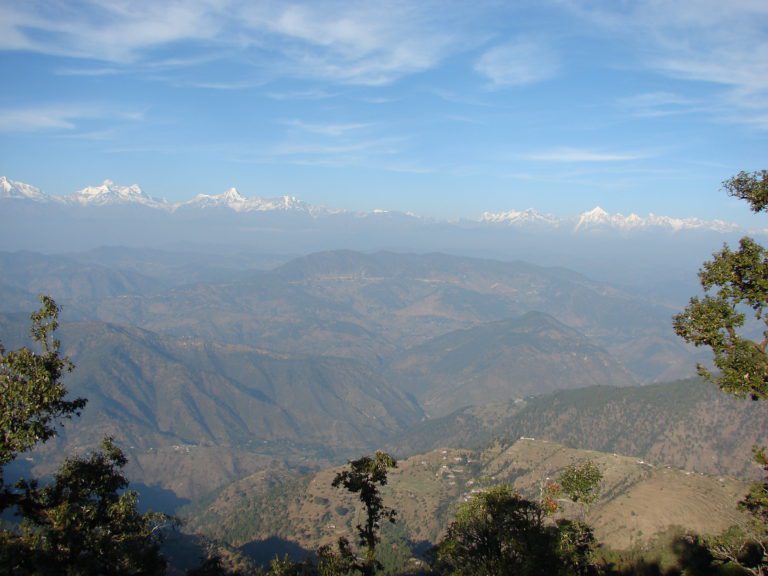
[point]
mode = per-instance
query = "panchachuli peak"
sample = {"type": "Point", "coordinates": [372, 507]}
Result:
{"type": "Point", "coordinates": [232, 195]}
{"type": "Point", "coordinates": [596, 216]}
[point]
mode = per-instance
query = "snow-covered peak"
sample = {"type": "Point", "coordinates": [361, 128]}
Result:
{"type": "Point", "coordinates": [109, 193]}
{"type": "Point", "coordinates": [233, 200]}
{"type": "Point", "coordinates": [520, 217]}
{"type": "Point", "coordinates": [232, 195]}
{"type": "Point", "coordinates": [11, 189]}
{"type": "Point", "coordinates": [596, 216]}
{"type": "Point", "coordinates": [282, 203]}
{"type": "Point", "coordinates": [599, 218]}
{"type": "Point", "coordinates": [691, 223]}
{"type": "Point", "coordinates": [229, 199]}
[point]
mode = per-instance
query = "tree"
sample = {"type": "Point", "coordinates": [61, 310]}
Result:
{"type": "Point", "coordinates": [576, 543]}
{"type": "Point", "coordinates": [32, 395]}
{"type": "Point", "coordinates": [735, 282]}
{"type": "Point", "coordinates": [336, 563]}
{"type": "Point", "coordinates": [498, 532]}
{"type": "Point", "coordinates": [581, 482]}
{"type": "Point", "coordinates": [83, 523]}
{"type": "Point", "coordinates": [364, 477]}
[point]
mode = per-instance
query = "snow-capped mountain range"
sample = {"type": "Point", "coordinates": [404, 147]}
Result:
{"type": "Point", "coordinates": [111, 194]}
{"type": "Point", "coordinates": [233, 200]}
{"type": "Point", "coordinates": [599, 218]}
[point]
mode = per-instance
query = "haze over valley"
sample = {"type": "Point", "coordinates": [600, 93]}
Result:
{"type": "Point", "coordinates": [250, 357]}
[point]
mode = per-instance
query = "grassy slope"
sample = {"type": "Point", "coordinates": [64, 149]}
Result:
{"type": "Point", "coordinates": [639, 500]}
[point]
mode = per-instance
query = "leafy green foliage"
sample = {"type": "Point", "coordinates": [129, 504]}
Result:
{"type": "Point", "coordinates": [364, 477]}
{"type": "Point", "coordinates": [733, 281]}
{"type": "Point", "coordinates": [497, 532]}
{"type": "Point", "coordinates": [31, 391]}
{"type": "Point", "coordinates": [335, 563]}
{"type": "Point", "coordinates": [747, 545]}
{"type": "Point", "coordinates": [81, 523]}
{"type": "Point", "coordinates": [752, 187]}
{"type": "Point", "coordinates": [581, 482]}
{"type": "Point", "coordinates": [756, 502]}
{"type": "Point", "coordinates": [286, 567]}
{"type": "Point", "coordinates": [576, 546]}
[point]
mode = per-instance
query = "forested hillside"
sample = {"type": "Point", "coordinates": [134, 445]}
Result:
{"type": "Point", "coordinates": [687, 424]}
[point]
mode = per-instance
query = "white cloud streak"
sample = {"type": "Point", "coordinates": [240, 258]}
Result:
{"type": "Point", "coordinates": [325, 129]}
{"type": "Point", "coordinates": [723, 44]}
{"type": "Point", "coordinates": [353, 43]}
{"type": "Point", "coordinates": [518, 63]}
{"type": "Point", "coordinates": [58, 117]}
{"type": "Point", "coordinates": [106, 30]}
{"type": "Point", "coordinates": [580, 155]}
{"type": "Point", "coordinates": [658, 104]}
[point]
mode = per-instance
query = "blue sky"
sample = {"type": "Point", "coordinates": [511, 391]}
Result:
{"type": "Point", "coordinates": [441, 108]}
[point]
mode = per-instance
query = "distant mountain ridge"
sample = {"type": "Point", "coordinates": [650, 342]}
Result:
{"type": "Point", "coordinates": [111, 194]}
{"type": "Point", "coordinates": [496, 361]}
{"type": "Point", "coordinates": [227, 405]}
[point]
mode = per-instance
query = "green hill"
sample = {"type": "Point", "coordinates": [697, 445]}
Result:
{"type": "Point", "coordinates": [688, 424]}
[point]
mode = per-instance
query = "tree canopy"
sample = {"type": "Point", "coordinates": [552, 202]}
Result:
{"type": "Point", "coordinates": [735, 282]}
{"type": "Point", "coordinates": [32, 395]}
{"type": "Point", "coordinates": [364, 477]}
{"type": "Point", "coordinates": [84, 522]}
{"type": "Point", "coordinates": [497, 532]}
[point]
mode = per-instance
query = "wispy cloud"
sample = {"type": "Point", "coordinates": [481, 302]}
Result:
{"type": "Point", "coordinates": [314, 94]}
{"type": "Point", "coordinates": [722, 44]}
{"type": "Point", "coordinates": [325, 129]}
{"type": "Point", "coordinates": [657, 104]}
{"type": "Point", "coordinates": [380, 146]}
{"type": "Point", "coordinates": [581, 155]}
{"type": "Point", "coordinates": [358, 43]}
{"type": "Point", "coordinates": [518, 63]}
{"type": "Point", "coordinates": [87, 71]}
{"type": "Point", "coordinates": [221, 85]}
{"type": "Point", "coordinates": [106, 30]}
{"type": "Point", "coordinates": [58, 117]}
